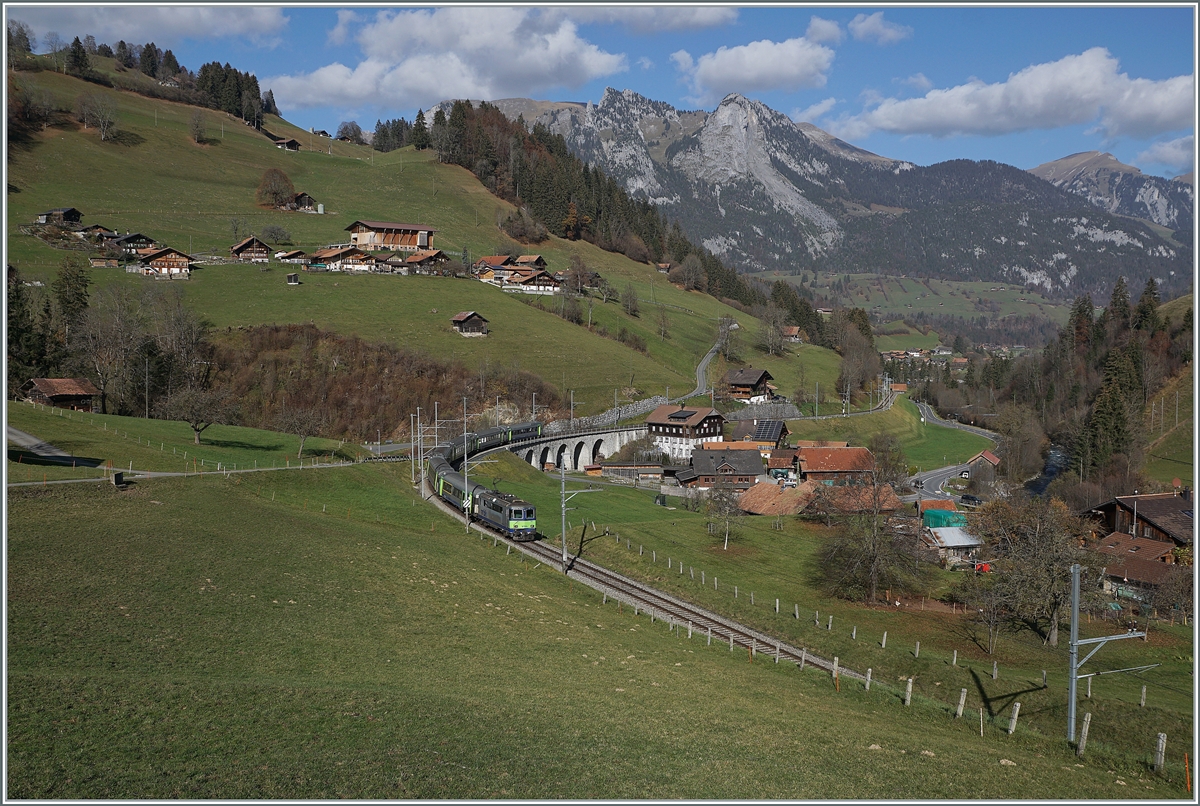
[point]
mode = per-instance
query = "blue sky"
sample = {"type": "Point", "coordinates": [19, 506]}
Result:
{"type": "Point", "coordinates": [1022, 85]}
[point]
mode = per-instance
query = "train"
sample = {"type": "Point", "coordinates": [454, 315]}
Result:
{"type": "Point", "coordinates": [503, 512]}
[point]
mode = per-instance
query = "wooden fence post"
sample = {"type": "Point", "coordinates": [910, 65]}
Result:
{"type": "Point", "coordinates": [835, 667]}
{"type": "Point", "coordinates": [995, 670]}
{"type": "Point", "coordinates": [868, 686]}
{"type": "Point", "coordinates": [854, 633]}
{"type": "Point", "coordinates": [776, 605]}
{"type": "Point", "coordinates": [917, 651]}
{"type": "Point", "coordinates": [830, 625]}
{"type": "Point", "coordinates": [954, 659]}
{"type": "Point", "coordinates": [883, 643]}
{"type": "Point", "coordinates": [1143, 696]}
{"type": "Point", "coordinates": [1087, 721]}
{"type": "Point", "coordinates": [797, 612]}
{"type": "Point", "coordinates": [1012, 720]}
{"type": "Point", "coordinates": [1089, 691]}
{"type": "Point", "coordinates": [709, 637]}
{"type": "Point", "coordinates": [1160, 751]}
{"type": "Point", "coordinates": [908, 691]}
{"type": "Point", "coordinates": [803, 658]}
{"type": "Point", "coordinates": [1043, 678]}
{"type": "Point", "coordinates": [962, 700]}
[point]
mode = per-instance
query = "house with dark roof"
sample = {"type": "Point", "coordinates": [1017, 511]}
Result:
{"type": "Point", "coordinates": [166, 263]}
{"type": "Point", "coordinates": [76, 394]}
{"type": "Point", "coordinates": [130, 243]}
{"type": "Point", "coordinates": [372, 236]}
{"type": "Point", "coordinates": [288, 144]}
{"type": "Point", "coordinates": [60, 215]}
{"type": "Point", "coordinates": [1135, 566]}
{"type": "Point", "coordinates": [676, 430]}
{"type": "Point", "coordinates": [530, 262]}
{"type": "Point", "coordinates": [533, 281]}
{"type": "Point", "coordinates": [340, 258]}
{"type": "Point", "coordinates": [1167, 517]}
{"type": "Point", "coordinates": [765, 435]}
{"type": "Point", "coordinates": [836, 466]}
{"type": "Point", "coordinates": [469, 323]}
{"type": "Point", "coordinates": [749, 384]}
{"type": "Point", "coordinates": [738, 468]}
{"type": "Point", "coordinates": [426, 261]}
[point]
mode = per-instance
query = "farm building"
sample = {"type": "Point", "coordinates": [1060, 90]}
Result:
{"type": "Point", "coordinates": [469, 323]}
{"type": "Point", "coordinates": [836, 466]}
{"type": "Point", "coordinates": [530, 262]}
{"type": "Point", "coordinates": [103, 262]}
{"type": "Point", "coordinates": [340, 258]}
{"type": "Point", "coordinates": [1167, 517]}
{"type": "Point", "coordinates": [301, 201]}
{"type": "Point", "coordinates": [530, 282]}
{"type": "Point", "coordinates": [677, 430]}
{"type": "Point", "coordinates": [60, 216]}
{"type": "Point", "coordinates": [982, 467]}
{"type": "Point", "coordinates": [289, 144]}
{"type": "Point", "coordinates": [1135, 566]}
{"type": "Point", "coordinates": [250, 249]}
{"type": "Point", "coordinates": [167, 264]}
{"type": "Point", "coordinates": [130, 243]}
{"type": "Point", "coordinates": [425, 262]}
{"type": "Point", "coordinates": [765, 435]}
{"type": "Point", "coordinates": [739, 468]}
{"type": "Point", "coordinates": [749, 384]}
{"type": "Point", "coordinates": [291, 256]}
{"type": "Point", "coordinates": [372, 236]}
{"type": "Point", "coordinates": [76, 394]}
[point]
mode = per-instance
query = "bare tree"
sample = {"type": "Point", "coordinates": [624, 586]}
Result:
{"type": "Point", "coordinates": [984, 597]}
{"type": "Point", "coordinates": [770, 332]}
{"type": "Point", "coordinates": [728, 341]}
{"type": "Point", "coordinates": [300, 421]}
{"type": "Point", "coordinates": [109, 335]}
{"type": "Point", "coordinates": [664, 323]}
{"type": "Point", "coordinates": [197, 126]}
{"type": "Point", "coordinates": [104, 116]}
{"type": "Point", "coordinates": [629, 300]}
{"type": "Point", "coordinates": [723, 509]}
{"type": "Point", "coordinates": [54, 45]}
{"type": "Point", "coordinates": [275, 188]}
{"type": "Point", "coordinates": [199, 408]}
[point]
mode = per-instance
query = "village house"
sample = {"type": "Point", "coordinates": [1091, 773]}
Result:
{"type": "Point", "coordinates": [339, 258]}
{"type": "Point", "coordinates": [749, 385]}
{"type": "Point", "coordinates": [166, 264]}
{"type": "Point", "coordinates": [1166, 517]}
{"type": "Point", "coordinates": [535, 281]}
{"type": "Point", "coordinates": [302, 202]}
{"type": "Point", "coordinates": [250, 250]}
{"type": "Point", "coordinates": [130, 243]}
{"type": "Point", "coordinates": [291, 256]}
{"type": "Point", "coordinates": [764, 435]}
{"type": "Point", "coordinates": [427, 261]}
{"type": "Point", "coordinates": [469, 323]}
{"type": "Point", "coordinates": [738, 468]}
{"type": "Point", "coordinates": [530, 262]}
{"type": "Point", "coordinates": [663, 268]}
{"type": "Point", "coordinates": [791, 333]}
{"type": "Point", "coordinates": [677, 430]}
{"type": "Point", "coordinates": [372, 236]}
{"type": "Point", "coordinates": [95, 232]}
{"type": "Point", "coordinates": [319, 132]}
{"type": "Point", "coordinates": [288, 144]}
{"type": "Point", "coordinates": [1135, 566]}
{"type": "Point", "coordinates": [982, 467]}
{"type": "Point", "coordinates": [76, 394]}
{"type": "Point", "coordinates": [60, 216]}
{"type": "Point", "coordinates": [836, 466]}
{"type": "Point", "coordinates": [632, 471]}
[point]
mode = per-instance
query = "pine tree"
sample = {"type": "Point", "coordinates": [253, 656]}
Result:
{"type": "Point", "coordinates": [419, 136]}
{"type": "Point", "coordinates": [170, 65]}
{"type": "Point", "coordinates": [77, 58]}
{"type": "Point", "coordinates": [1145, 315]}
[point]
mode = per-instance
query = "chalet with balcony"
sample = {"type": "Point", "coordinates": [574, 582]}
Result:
{"type": "Point", "coordinates": [677, 430]}
{"type": "Point", "coordinates": [373, 236]}
{"type": "Point", "coordinates": [130, 243]}
{"type": "Point", "coordinates": [738, 468]}
{"type": "Point", "coordinates": [1165, 517]}
{"type": "Point", "coordinates": [530, 262]}
{"type": "Point", "coordinates": [250, 250]}
{"type": "Point", "coordinates": [340, 258]}
{"type": "Point", "coordinates": [749, 385]}
{"type": "Point", "coordinates": [166, 264]}
{"type": "Point", "coordinates": [288, 144]}
{"type": "Point", "coordinates": [1135, 566]}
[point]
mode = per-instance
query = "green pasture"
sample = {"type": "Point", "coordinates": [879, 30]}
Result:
{"type": "Point", "coordinates": [1171, 428]}
{"type": "Point", "coordinates": [899, 336]}
{"type": "Point", "coordinates": [926, 446]}
{"type": "Point", "coordinates": [326, 634]}
{"type": "Point", "coordinates": [157, 181]}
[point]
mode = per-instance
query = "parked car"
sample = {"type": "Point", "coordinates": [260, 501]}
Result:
{"type": "Point", "coordinates": [918, 483]}
{"type": "Point", "coordinates": [971, 500]}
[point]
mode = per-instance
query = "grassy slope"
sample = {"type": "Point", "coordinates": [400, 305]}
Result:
{"type": "Point", "coordinates": [229, 640]}
{"type": "Point", "coordinates": [1171, 452]}
{"type": "Point", "coordinates": [185, 194]}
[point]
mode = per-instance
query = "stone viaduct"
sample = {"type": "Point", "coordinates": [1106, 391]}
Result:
{"type": "Point", "coordinates": [578, 449]}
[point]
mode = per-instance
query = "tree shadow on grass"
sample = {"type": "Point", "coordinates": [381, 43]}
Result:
{"type": "Point", "coordinates": [28, 458]}
{"type": "Point", "coordinates": [240, 444]}
{"type": "Point", "coordinates": [998, 703]}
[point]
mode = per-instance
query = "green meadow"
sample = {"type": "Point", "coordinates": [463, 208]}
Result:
{"type": "Point", "coordinates": [325, 634]}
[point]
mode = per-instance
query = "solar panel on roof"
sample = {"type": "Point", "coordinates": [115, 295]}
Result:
{"type": "Point", "coordinates": [681, 415]}
{"type": "Point", "coordinates": [767, 430]}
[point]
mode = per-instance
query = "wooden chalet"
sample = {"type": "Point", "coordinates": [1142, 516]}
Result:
{"type": "Point", "coordinates": [792, 333]}
{"type": "Point", "coordinates": [301, 201]}
{"type": "Point", "coordinates": [250, 250]}
{"type": "Point", "coordinates": [76, 394]}
{"type": "Point", "coordinates": [288, 144]}
{"type": "Point", "coordinates": [1166, 517]}
{"type": "Point", "coordinates": [103, 262]}
{"type": "Point", "coordinates": [836, 465]}
{"type": "Point", "coordinates": [493, 261]}
{"type": "Point", "coordinates": [469, 323]}
{"type": "Point", "coordinates": [320, 133]}
{"type": "Point", "coordinates": [749, 384]}
{"type": "Point", "coordinates": [663, 268]}
{"type": "Point", "coordinates": [339, 258]}
{"type": "Point", "coordinates": [764, 435]}
{"type": "Point", "coordinates": [60, 216]}
{"type": "Point", "coordinates": [372, 236]}
{"type": "Point", "coordinates": [982, 467]}
{"type": "Point", "coordinates": [530, 262]}
{"type": "Point", "coordinates": [425, 261]}
{"type": "Point", "coordinates": [537, 281]}
{"type": "Point", "coordinates": [130, 243]}
{"type": "Point", "coordinates": [1135, 566]}
{"type": "Point", "coordinates": [96, 232]}
{"type": "Point", "coordinates": [291, 256]}
{"type": "Point", "coordinates": [738, 468]}
{"type": "Point", "coordinates": [167, 264]}
{"type": "Point", "coordinates": [677, 430]}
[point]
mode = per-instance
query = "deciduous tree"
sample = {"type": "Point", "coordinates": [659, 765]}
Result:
{"type": "Point", "coordinates": [199, 408]}
{"type": "Point", "coordinates": [275, 189]}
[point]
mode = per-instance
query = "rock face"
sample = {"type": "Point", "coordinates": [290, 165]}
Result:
{"type": "Point", "coordinates": [1122, 189]}
{"type": "Point", "coordinates": [765, 193]}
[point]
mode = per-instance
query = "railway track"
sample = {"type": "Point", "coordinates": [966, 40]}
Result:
{"type": "Point", "coordinates": [678, 613]}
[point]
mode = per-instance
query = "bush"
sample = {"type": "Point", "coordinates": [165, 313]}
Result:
{"type": "Point", "coordinates": [273, 233]}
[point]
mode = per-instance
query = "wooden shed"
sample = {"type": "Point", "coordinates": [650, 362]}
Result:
{"type": "Point", "coordinates": [469, 323]}
{"type": "Point", "coordinates": [77, 394]}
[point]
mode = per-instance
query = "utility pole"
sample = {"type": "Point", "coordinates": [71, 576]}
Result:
{"type": "Point", "coordinates": [412, 454]}
{"type": "Point", "coordinates": [817, 401]}
{"type": "Point", "coordinates": [466, 485]}
{"type": "Point", "coordinates": [563, 499]}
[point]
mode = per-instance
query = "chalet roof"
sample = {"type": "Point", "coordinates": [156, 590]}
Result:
{"type": "Point", "coordinates": [295, 253]}
{"type": "Point", "coordinates": [533, 277]}
{"type": "Point", "coordinates": [857, 498]}
{"type": "Point", "coordinates": [1119, 544]}
{"type": "Point", "coordinates": [780, 462]}
{"type": "Point", "coordinates": [336, 252]}
{"type": "Point", "coordinates": [53, 387]}
{"type": "Point", "coordinates": [494, 260]}
{"type": "Point", "coordinates": [791, 330]}
{"type": "Point", "coordinates": [747, 376]}
{"type": "Point", "coordinates": [61, 211]}
{"type": "Point", "coordinates": [835, 460]}
{"type": "Point", "coordinates": [774, 499]}
{"type": "Point", "coordinates": [463, 316]}
{"type": "Point", "coordinates": [935, 503]}
{"type": "Point", "coordinates": [760, 430]}
{"type": "Point", "coordinates": [283, 141]}
{"type": "Point", "coordinates": [987, 456]}
{"type": "Point", "coordinates": [678, 415]}
{"type": "Point", "coordinates": [154, 254]}
{"type": "Point", "coordinates": [1139, 570]}
{"type": "Point", "coordinates": [1171, 513]}
{"type": "Point", "coordinates": [739, 462]}
{"type": "Point", "coordinates": [247, 242]}
{"type": "Point", "coordinates": [131, 236]}
{"type": "Point", "coordinates": [391, 225]}
{"type": "Point", "coordinates": [528, 259]}
{"type": "Point", "coordinates": [422, 256]}
{"type": "Point", "coordinates": [821, 443]}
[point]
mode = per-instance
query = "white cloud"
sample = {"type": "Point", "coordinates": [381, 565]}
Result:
{"type": "Point", "coordinates": [341, 31]}
{"type": "Point", "coordinates": [645, 63]}
{"type": "Point", "coordinates": [919, 81]}
{"type": "Point", "coordinates": [649, 19]}
{"type": "Point", "coordinates": [762, 65]}
{"type": "Point", "coordinates": [1178, 155]}
{"type": "Point", "coordinates": [820, 30]}
{"type": "Point", "coordinates": [410, 60]}
{"type": "Point", "coordinates": [162, 25]}
{"type": "Point", "coordinates": [1074, 90]}
{"type": "Point", "coordinates": [875, 28]}
{"type": "Point", "coordinates": [811, 113]}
